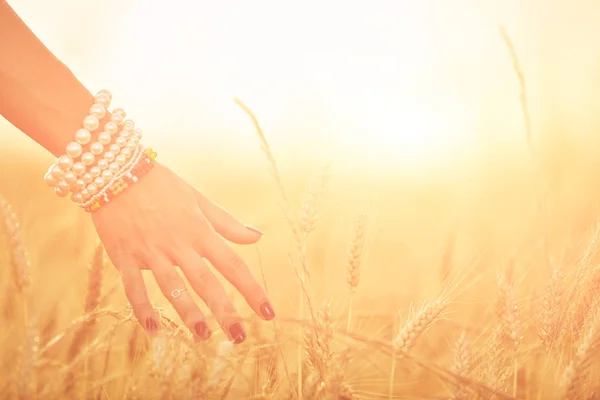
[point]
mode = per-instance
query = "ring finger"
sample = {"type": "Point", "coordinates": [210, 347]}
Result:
{"type": "Point", "coordinates": [173, 288]}
{"type": "Point", "coordinates": [208, 287]}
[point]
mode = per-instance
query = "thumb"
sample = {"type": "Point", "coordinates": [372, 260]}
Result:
{"type": "Point", "coordinates": [226, 224]}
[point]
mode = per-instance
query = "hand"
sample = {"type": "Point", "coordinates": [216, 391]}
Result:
{"type": "Point", "coordinates": [162, 222]}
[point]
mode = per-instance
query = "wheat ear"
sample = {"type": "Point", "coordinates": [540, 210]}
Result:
{"type": "Point", "coordinates": [574, 375]}
{"type": "Point", "coordinates": [19, 257]}
{"type": "Point", "coordinates": [461, 366]}
{"type": "Point", "coordinates": [354, 261]}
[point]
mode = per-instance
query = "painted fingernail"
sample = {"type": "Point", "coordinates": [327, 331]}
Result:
{"type": "Point", "coordinates": [151, 326]}
{"type": "Point", "coordinates": [267, 311]}
{"type": "Point", "coordinates": [202, 330]}
{"type": "Point", "coordinates": [255, 230]}
{"type": "Point", "coordinates": [236, 333]}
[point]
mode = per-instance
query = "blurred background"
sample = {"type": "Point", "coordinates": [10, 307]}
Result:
{"type": "Point", "coordinates": [414, 105]}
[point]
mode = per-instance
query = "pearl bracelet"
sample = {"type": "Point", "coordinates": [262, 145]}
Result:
{"type": "Point", "coordinates": [111, 163]}
{"type": "Point", "coordinates": [106, 160]}
{"type": "Point", "coordinates": [63, 175]}
{"type": "Point", "coordinates": [140, 165]}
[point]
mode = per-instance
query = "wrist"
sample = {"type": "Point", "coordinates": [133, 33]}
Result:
{"type": "Point", "coordinates": [62, 112]}
{"type": "Point", "coordinates": [102, 159]}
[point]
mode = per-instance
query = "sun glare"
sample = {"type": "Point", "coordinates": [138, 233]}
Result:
{"type": "Point", "coordinates": [360, 70]}
{"type": "Point", "coordinates": [394, 83]}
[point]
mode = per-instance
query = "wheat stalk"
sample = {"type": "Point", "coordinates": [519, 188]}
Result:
{"type": "Point", "coordinates": [19, 257]}
{"type": "Point", "coordinates": [416, 326]}
{"type": "Point", "coordinates": [461, 365]}
{"type": "Point", "coordinates": [575, 373]}
{"type": "Point", "coordinates": [92, 301]}
{"type": "Point", "coordinates": [523, 98]}
{"type": "Point", "coordinates": [29, 359]}
{"type": "Point", "coordinates": [552, 313]}
{"type": "Point", "coordinates": [354, 260]}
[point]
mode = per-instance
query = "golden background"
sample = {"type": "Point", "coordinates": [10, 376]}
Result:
{"type": "Point", "coordinates": [413, 105]}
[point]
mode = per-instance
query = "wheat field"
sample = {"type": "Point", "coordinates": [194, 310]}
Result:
{"type": "Point", "coordinates": [478, 285]}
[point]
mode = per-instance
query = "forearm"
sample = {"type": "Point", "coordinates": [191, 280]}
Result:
{"type": "Point", "coordinates": [38, 93]}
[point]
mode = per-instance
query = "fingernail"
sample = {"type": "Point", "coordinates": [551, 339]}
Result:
{"type": "Point", "coordinates": [267, 311]}
{"type": "Point", "coordinates": [236, 333]}
{"type": "Point", "coordinates": [151, 326]}
{"type": "Point", "coordinates": [202, 330]}
{"type": "Point", "coordinates": [253, 229]}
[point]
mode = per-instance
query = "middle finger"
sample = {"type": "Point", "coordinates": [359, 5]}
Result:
{"type": "Point", "coordinates": [173, 288]}
{"type": "Point", "coordinates": [208, 287]}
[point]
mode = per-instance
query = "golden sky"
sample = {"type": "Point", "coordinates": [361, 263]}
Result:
{"type": "Point", "coordinates": [419, 84]}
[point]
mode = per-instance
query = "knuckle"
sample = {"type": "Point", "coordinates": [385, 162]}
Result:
{"type": "Point", "coordinates": [236, 263]}
{"type": "Point", "coordinates": [201, 275]}
{"type": "Point", "coordinates": [167, 276]}
{"type": "Point", "coordinates": [203, 235]}
{"type": "Point", "coordinates": [252, 290]}
{"type": "Point", "coordinates": [224, 311]}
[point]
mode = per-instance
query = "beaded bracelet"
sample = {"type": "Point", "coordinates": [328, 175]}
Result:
{"type": "Point", "coordinates": [113, 165]}
{"type": "Point", "coordinates": [71, 175]}
{"type": "Point", "coordinates": [128, 178]}
{"type": "Point", "coordinates": [113, 161]}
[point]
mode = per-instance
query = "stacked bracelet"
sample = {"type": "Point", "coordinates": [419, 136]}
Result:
{"type": "Point", "coordinates": [94, 162]}
{"type": "Point", "coordinates": [143, 163]}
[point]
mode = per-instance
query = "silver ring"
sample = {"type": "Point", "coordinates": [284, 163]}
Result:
{"type": "Point", "coordinates": [175, 293]}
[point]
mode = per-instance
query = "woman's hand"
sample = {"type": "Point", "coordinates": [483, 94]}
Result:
{"type": "Point", "coordinates": [162, 222]}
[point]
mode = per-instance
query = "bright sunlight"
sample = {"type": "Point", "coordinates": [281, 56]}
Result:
{"type": "Point", "coordinates": [427, 189]}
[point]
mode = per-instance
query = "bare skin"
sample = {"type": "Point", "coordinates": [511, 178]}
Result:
{"type": "Point", "coordinates": [158, 224]}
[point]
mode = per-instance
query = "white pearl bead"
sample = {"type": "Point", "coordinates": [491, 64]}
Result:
{"type": "Point", "coordinates": [98, 111]}
{"type": "Point", "coordinates": [63, 185]}
{"type": "Point", "coordinates": [92, 189]}
{"type": "Point", "coordinates": [88, 158]}
{"type": "Point", "coordinates": [106, 92]}
{"type": "Point", "coordinates": [131, 145]}
{"type": "Point", "coordinates": [102, 164]}
{"type": "Point", "coordinates": [74, 149]}
{"type": "Point", "coordinates": [79, 184]}
{"type": "Point", "coordinates": [61, 192]}
{"type": "Point", "coordinates": [107, 174]}
{"type": "Point", "coordinates": [87, 177]}
{"type": "Point", "coordinates": [70, 177]}
{"type": "Point", "coordinates": [102, 98]}
{"type": "Point", "coordinates": [126, 152]}
{"type": "Point", "coordinates": [128, 124]}
{"type": "Point", "coordinates": [117, 118]}
{"type": "Point", "coordinates": [83, 136]}
{"type": "Point", "coordinates": [95, 171]}
{"type": "Point", "coordinates": [125, 134]}
{"type": "Point", "coordinates": [99, 182]}
{"type": "Point", "coordinates": [96, 148]}
{"type": "Point", "coordinates": [50, 180]}
{"type": "Point", "coordinates": [111, 127]}
{"type": "Point", "coordinates": [65, 162]}
{"type": "Point", "coordinates": [91, 123]}
{"type": "Point", "coordinates": [138, 132]}
{"type": "Point", "coordinates": [104, 138]}
{"type": "Point", "coordinates": [79, 168]}
{"type": "Point", "coordinates": [109, 156]}
{"type": "Point", "coordinates": [121, 159]}
{"type": "Point", "coordinates": [121, 141]}
{"type": "Point", "coordinates": [114, 148]}
{"type": "Point", "coordinates": [119, 111]}
{"type": "Point", "coordinates": [57, 172]}
{"type": "Point", "coordinates": [77, 197]}
{"type": "Point", "coordinates": [84, 193]}
{"type": "Point", "coordinates": [114, 167]}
